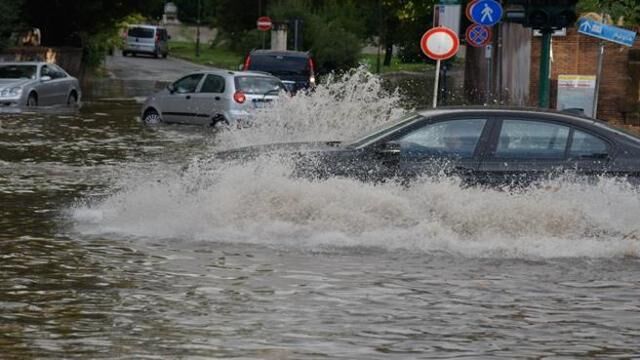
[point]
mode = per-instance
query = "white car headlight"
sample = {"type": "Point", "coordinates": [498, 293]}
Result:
{"type": "Point", "coordinates": [15, 91]}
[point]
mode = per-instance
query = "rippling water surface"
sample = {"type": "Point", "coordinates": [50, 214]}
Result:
{"type": "Point", "coordinates": [122, 241]}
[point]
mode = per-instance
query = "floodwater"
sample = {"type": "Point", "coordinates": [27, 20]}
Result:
{"type": "Point", "coordinates": [122, 241]}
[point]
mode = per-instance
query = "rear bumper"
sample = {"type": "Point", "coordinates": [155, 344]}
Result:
{"type": "Point", "coordinates": [140, 48]}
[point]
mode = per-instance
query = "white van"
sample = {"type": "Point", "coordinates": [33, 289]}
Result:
{"type": "Point", "coordinates": [146, 39]}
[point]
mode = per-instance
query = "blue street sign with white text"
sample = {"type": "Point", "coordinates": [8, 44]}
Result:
{"type": "Point", "coordinates": [486, 12]}
{"type": "Point", "coordinates": [606, 32]}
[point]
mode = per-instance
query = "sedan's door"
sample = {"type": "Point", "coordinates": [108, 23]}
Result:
{"type": "Point", "coordinates": [209, 100]}
{"type": "Point", "coordinates": [47, 88]}
{"type": "Point", "coordinates": [177, 103]}
{"type": "Point", "coordinates": [449, 146]}
{"type": "Point", "coordinates": [523, 150]}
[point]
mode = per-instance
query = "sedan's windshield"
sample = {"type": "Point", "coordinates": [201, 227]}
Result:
{"type": "Point", "coordinates": [258, 85]}
{"type": "Point", "coordinates": [17, 71]}
{"type": "Point", "coordinates": [383, 130]}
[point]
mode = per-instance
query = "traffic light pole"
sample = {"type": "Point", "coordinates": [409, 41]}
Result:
{"type": "Point", "coordinates": [544, 84]}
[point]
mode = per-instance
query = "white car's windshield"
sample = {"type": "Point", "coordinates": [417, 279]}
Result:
{"type": "Point", "coordinates": [17, 71]}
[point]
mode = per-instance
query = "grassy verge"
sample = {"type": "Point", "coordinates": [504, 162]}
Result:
{"type": "Point", "coordinates": [396, 65]}
{"type": "Point", "coordinates": [215, 57]}
{"type": "Point", "coordinates": [226, 59]}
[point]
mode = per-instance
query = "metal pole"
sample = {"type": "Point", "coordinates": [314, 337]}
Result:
{"type": "Point", "coordinates": [598, 75]}
{"type": "Point", "coordinates": [198, 32]}
{"type": "Point", "coordinates": [435, 85]}
{"type": "Point", "coordinates": [544, 83]}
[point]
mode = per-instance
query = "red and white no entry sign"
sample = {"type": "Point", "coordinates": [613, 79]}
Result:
{"type": "Point", "coordinates": [264, 23]}
{"type": "Point", "coordinates": [440, 43]}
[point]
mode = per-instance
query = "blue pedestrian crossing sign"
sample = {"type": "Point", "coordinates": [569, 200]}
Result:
{"type": "Point", "coordinates": [486, 12]}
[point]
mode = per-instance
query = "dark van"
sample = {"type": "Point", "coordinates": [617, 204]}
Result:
{"type": "Point", "coordinates": [296, 69]}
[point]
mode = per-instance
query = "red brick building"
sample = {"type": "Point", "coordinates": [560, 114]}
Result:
{"type": "Point", "coordinates": [577, 54]}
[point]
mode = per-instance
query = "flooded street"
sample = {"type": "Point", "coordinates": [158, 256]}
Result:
{"type": "Point", "coordinates": [121, 241]}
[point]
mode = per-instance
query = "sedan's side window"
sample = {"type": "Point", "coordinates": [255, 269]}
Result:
{"type": "Point", "coordinates": [587, 146]}
{"type": "Point", "coordinates": [454, 138]}
{"type": "Point", "coordinates": [525, 139]}
{"type": "Point", "coordinates": [213, 84]}
{"type": "Point", "coordinates": [45, 71]}
{"type": "Point", "coordinates": [187, 84]}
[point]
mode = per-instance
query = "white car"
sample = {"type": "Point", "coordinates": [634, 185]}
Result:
{"type": "Point", "coordinates": [210, 97]}
{"type": "Point", "coordinates": [36, 83]}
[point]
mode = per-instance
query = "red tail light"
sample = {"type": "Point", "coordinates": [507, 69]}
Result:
{"type": "Point", "coordinates": [247, 62]}
{"type": "Point", "coordinates": [312, 72]}
{"type": "Point", "coordinates": [239, 97]}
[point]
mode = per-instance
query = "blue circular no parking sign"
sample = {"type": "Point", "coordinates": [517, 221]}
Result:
{"type": "Point", "coordinates": [486, 12]}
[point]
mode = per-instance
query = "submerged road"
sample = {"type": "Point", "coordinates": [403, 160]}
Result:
{"type": "Point", "coordinates": [148, 68]}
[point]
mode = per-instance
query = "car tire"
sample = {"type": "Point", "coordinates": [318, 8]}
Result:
{"type": "Point", "coordinates": [32, 100]}
{"type": "Point", "coordinates": [156, 54]}
{"type": "Point", "coordinates": [151, 117]}
{"type": "Point", "coordinates": [219, 122]}
{"type": "Point", "coordinates": [72, 100]}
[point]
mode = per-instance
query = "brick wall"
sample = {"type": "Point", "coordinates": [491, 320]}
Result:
{"type": "Point", "coordinates": [577, 54]}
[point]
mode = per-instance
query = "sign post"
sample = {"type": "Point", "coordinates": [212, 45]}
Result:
{"type": "Point", "coordinates": [264, 24]}
{"type": "Point", "coordinates": [439, 43]}
{"type": "Point", "coordinates": [604, 32]}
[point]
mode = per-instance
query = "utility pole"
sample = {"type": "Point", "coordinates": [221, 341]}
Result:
{"type": "Point", "coordinates": [544, 83]}
{"type": "Point", "coordinates": [198, 31]}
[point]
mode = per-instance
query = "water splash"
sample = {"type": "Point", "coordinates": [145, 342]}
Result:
{"type": "Point", "coordinates": [260, 202]}
{"type": "Point", "coordinates": [340, 108]}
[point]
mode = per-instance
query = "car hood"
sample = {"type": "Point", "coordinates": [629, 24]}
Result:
{"type": "Point", "coordinates": [6, 83]}
{"type": "Point", "coordinates": [250, 152]}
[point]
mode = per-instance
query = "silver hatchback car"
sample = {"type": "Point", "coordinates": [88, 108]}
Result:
{"type": "Point", "coordinates": [36, 83]}
{"type": "Point", "coordinates": [212, 97]}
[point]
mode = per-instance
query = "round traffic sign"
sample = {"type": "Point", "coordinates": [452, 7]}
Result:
{"type": "Point", "coordinates": [486, 12]}
{"type": "Point", "coordinates": [469, 8]}
{"type": "Point", "coordinates": [440, 43]}
{"type": "Point", "coordinates": [478, 35]}
{"type": "Point", "coordinates": [264, 23]}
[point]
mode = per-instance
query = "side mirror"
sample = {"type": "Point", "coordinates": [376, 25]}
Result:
{"type": "Point", "coordinates": [388, 148]}
{"type": "Point", "coordinates": [171, 88]}
{"type": "Point", "coordinates": [45, 78]}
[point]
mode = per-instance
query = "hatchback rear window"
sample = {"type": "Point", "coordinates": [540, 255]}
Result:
{"type": "Point", "coordinates": [141, 32]}
{"type": "Point", "coordinates": [258, 85]}
{"type": "Point", "coordinates": [280, 65]}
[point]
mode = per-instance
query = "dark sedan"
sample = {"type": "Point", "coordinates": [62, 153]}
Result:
{"type": "Point", "coordinates": [481, 145]}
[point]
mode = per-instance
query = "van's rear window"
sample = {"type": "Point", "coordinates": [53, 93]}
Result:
{"type": "Point", "coordinates": [280, 65]}
{"type": "Point", "coordinates": [141, 32]}
{"type": "Point", "coordinates": [258, 85]}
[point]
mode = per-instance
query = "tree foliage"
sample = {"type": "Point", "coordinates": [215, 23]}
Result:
{"type": "Point", "coordinates": [622, 12]}
{"type": "Point", "coordinates": [10, 11]}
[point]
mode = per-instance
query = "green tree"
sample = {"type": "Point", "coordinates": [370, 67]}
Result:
{"type": "Point", "coordinates": [622, 12]}
{"type": "Point", "coordinates": [9, 20]}
{"type": "Point", "coordinates": [188, 10]}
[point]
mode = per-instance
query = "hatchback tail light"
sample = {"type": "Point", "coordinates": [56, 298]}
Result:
{"type": "Point", "coordinates": [239, 97]}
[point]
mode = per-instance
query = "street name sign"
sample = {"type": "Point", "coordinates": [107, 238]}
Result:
{"type": "Point", "coordinates": [486, 12]}
{"type": "Point", "coordinates": [606, 32]}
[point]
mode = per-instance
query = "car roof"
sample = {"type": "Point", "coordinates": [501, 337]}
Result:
{"type": "Point", "coordinates": [24, 63]}
{"type": "Point", "coordinates": [224, 72]}
{"type": "Point", "coordinates": [501, 110]}
{"type": "Point", "coordinates": [145, 26]}
{"type": "Point", "coordinates": [292, 53]}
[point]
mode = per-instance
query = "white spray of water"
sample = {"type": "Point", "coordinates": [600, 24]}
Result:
{"type": "Point", "coordinates": [342, 107]}
{"type": "Point", "coordinates": [261, 203]}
